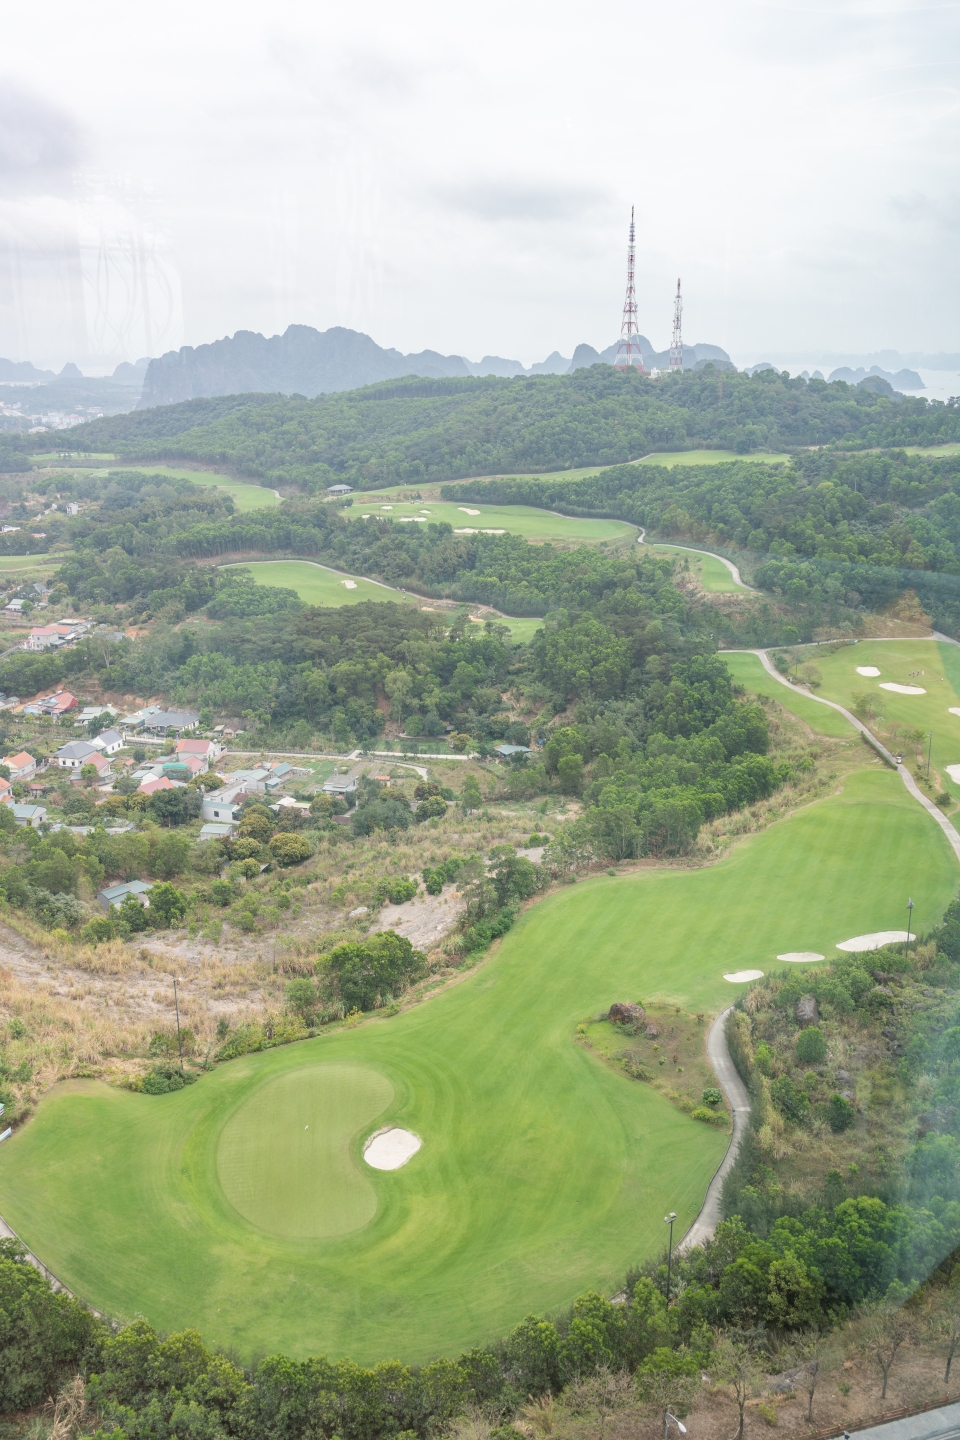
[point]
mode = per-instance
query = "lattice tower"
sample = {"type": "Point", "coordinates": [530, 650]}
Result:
{"type": "Point", "coordinates": [676, 344]}
{"type": "Point", "coordinates": [628, 350]}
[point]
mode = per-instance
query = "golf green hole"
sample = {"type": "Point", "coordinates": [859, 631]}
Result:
{"type": "Point", "coordinates": [285, 1160]}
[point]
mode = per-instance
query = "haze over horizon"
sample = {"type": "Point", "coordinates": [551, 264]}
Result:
{"type": "Point", "coordinates": [462, 181]}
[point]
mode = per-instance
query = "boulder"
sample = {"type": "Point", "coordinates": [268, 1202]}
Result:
{"type": "Point", "coordinates": [623, 1013]}
{"type": "Point", "coordinates": [652, 1032]}
{"type": "Point", "coordinates": [807, 1011]}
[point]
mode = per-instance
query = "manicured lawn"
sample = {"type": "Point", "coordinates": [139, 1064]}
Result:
{"type": "Point", "coordinates": [543, 1173]}
{"type": "Point", "coordinates": [897, 660]}
{"type": "Point", "coordinates": [244, 497]}
{"type": "Point", "coordinates": [21, 564]}
{"type": "Point", "coordinates": [522, 520]}
{"type": "Point", "coordinates": [748, 670]}
{"type": "Point", "coordinates": [522, 630]}
{"type": "Point", "coordinates": [713, 457]}
{"type": "Point", "coordinates": [318, 585]}
{"type": "Point", "coordinates": [709, 569]}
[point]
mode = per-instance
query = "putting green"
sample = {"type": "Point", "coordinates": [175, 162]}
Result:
{"type": "Point", "coordinates": [316, 584]}
{"type": "Point", "coordinates": [543, 1173]}
{"type": "Point", "coordinates": [284, 1158]}
{"type": "Point", "coordinates": [476, 518]}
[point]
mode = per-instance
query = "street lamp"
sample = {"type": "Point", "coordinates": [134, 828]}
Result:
{"type": "Point", "coordinates": [668, 1220]}
{"type": "Point", "coordinates": [909, 918]}
{"type": "Point", "coordinates": [666, 1425]}
{"type": "Point", "coordinates": [177, 1006]}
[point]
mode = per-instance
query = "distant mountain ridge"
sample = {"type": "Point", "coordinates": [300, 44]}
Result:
{"type": "Point", "coordinates": [305, 361]}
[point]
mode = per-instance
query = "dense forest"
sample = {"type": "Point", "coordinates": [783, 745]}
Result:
{"type": "Point", "coordinates": [426, 430]}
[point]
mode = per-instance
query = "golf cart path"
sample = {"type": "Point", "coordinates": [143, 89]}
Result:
{"type": "Point", "coordinates": [665, 545]}
{"type": "Point", "coordinates": [951, 833]}
{"type": "Point", "coordinates": [728, 1078]}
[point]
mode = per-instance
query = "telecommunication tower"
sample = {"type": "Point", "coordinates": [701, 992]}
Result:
{"type": "Point", "coordinates": [628, 350]}
{"type": "Point", "coordinates": [676, 344]}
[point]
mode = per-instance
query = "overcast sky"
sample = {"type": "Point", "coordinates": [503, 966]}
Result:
{"type": "Point", "coordinates": [460, 177]}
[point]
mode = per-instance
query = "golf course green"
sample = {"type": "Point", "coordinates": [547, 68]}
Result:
{"type": "Point", "coordinates": [244, 496]}
{"type": "Point", "coordinates": [472, 518]}
{"type": "Point", "coordinates": [543, 1173]}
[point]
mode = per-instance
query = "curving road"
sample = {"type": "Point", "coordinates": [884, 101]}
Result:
{"type": "Point", "coordinates": [728, 1078]}
{"type": "Point", "coordinates": [665, 545]}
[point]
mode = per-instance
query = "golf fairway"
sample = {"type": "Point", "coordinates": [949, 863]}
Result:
{"type": "Point", "coordinates": [542, 1172]}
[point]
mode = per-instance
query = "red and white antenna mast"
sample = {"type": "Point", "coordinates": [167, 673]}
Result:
{"type": "Point", "coordinates": [628, 351]}
{"type": "Point", "coordinates": [676, 344]}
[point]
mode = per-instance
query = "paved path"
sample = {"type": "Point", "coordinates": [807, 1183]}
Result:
{"type": "Point", "coordinates": [942, 1424]}
{"type": "Point", "coordinates": [665, 545]}
{"type": "Point", "coordinates": [949, 830]}
{"type": "Point", "coordinates": [728, 1079]}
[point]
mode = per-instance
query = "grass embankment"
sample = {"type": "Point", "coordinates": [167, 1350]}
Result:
{"type": "Point", "coordinates": [543, 1172]}
{"type": "Point", "coordinates": [709, 571]}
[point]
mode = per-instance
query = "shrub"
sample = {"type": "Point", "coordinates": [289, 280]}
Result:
{"type": "Point", "coordinates": [163, 1079]}
{"type": "Point", "coordinates": [131, 917]}
{"type": "Point", "coordinates": [398, 892]}
{"type": "Point", "coordinates": [433, 807]}
{"type": "Point", "coordinates": [811, 1048]}
{"type": "Point", "coordinates": [244, 1040]}
{"type": "Point", "coordinates": [302, 997]}
{"type": "Point", "coordinates": [289, 849]}
{"type": "Point", "coordinates": [221, 893]}
{"type": "Point", "coordinates": [708, 1116]}
{"type": "Point", "coordinates": [249, 869]}
{"type": "Point", "coordinates": [256, 824]}
{"type": "Point", "coordinates": [99, 929]}
{"type": "Point", "coordinates": [841, 1114]}
{"type": "Point", "coordinates": [791, 1102]}
{"type": "Point", "coordinates": [712, 1096]}
{"type": "Point", "coordinates": [245, 848]}
{"type": "Point", "coordinates": [763, 1059]}
{"type": "Point", "coordinates": [167, 906]}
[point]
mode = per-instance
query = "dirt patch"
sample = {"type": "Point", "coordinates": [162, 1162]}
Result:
{"type": "Point", "coordinates": [424, 921]}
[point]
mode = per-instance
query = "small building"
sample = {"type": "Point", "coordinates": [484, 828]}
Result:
{"type": "Point", "coordinates": [33, 815]}
{"type": "Point", "coordinates": [339, 489]}
{"type": "Point", "coordinates": [153, 783]}
{"type": "Point", "coordinates": [505, 751]}
{"type": "Point", "coordinates": [114, 895]}
{"type": "Point", "coordinates": [94, 712]}
{"type": "Point", "coordinates": [341, 785]}
{"type": "Point", "coordinates": [61, 703]}
{"type": "Point", "coordinates": [221, 805]}
{"type": "Point", "coordinates": [217, 830]}
{"type": "Point", "coordinates": [13, 607]}
{"type": "Point", "coordinates": [108, 741]}
{"type": "Point", "coordinates": [75, 754]}
{"type": "Point", "coordinates": [208, 750]}
{"type": "Point", "coordinates": [21, 766]}
{"type": "Point", "coordinates": [167, 722]}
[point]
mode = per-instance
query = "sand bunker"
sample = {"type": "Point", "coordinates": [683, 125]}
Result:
{"type": "Point", "coordinates": [954, 772]}
{"type": "Point", "coordinates": [953, 710]}
{"type": "Point", "coordinates": [466, 531]}
{"type": "Point", "coordinates": [349, 584]}
{"type": "Point", "coordinates": [465, 510]}
{"type": "Point", "coordinates": [801, 957]}
{"type": "Point", "coordinates": [493, 532]}
{"type": "Point", "coordinates": [391, 1149]}
{"type": "Point", "coordinates": [739, 977]}
{"type": "Point", "coordinates": [902, 689]}
{"type": "Point", "coordinates": [874, 941]}
{"type": "Point", "coordinates": [870, 670]}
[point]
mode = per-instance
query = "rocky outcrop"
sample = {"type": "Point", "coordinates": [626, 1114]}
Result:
{"type": "Point", "coordinates": [623, 1013]}
{"type": "Point", "coordinates": [807, 1011]}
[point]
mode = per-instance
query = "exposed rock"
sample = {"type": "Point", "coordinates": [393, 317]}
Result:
{"type": "Point", "coordinates": [807, 1011]}
{"type": "Point", "coordinates": [882, 977]}
{"type": "Point", "coordinates": [360, 910]}
{"type": "Point", "coordinates": [844, 1077]}
{"type": "Point", "coordinates": [882, 990]}
{"type": "Point", "coordinates": [652, 1031]}
{"type": "Point", "coordinates": [623, 1013]}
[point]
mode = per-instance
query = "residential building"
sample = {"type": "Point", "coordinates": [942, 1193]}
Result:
{"type": "Point", "coordinates": [158, 782]}
{"type": "Point", "coordinates": [505, 751]}
{"type": "Point", "coordinates": [44, 637]}
{"type": "Point", "coordinates": [221, 805]}
{"type": "Point", "coordinates": [217, 830]}
{"type": "Point", "coordinates": [33, 815]}
{"type": "Point", "coordinates": [339, 489]}
{"type": "Point", "coordinates": [21, 766]}
{"type": "Point", "coordinates": [75, 754]}
{"type": "Point", "coordinates": [6, 792]}
{"type": "Point", "coordinates": [341, 785]}
{"type": "Point", "coordinates": [94, 712]}
{"type": "Point", "coordinates": [13, 607]}
{"type": "Point", "coordinates": [108, 741]}
{"type": "Point", "coordinates": [114, 895]}
{"type": "Point", "coordinates": [208, 750]}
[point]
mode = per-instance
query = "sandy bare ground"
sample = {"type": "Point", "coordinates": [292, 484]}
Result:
{"type": "Point", "coordinates": [424, 921]}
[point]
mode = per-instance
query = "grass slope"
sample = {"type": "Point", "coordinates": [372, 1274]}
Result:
{"type": "Point", "coordinates": [244, 497]}
{"type": "Point", "coordinates": [712, 457]}
{"type": "Point", "coordinates": [543, 1173]}
{"type": "Point", "coordinates": [532, 524]}
{"type": "Point", "coordinates": [747, 670]}
{"type": "Point", "coordinates": [710, 570]}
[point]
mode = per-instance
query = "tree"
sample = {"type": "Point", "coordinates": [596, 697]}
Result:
{"type": "Point", "coordinates": [89, 773]}
{"type": "Point", "coordinates": [570, 771]}
{"type": "Point", "coordinates": [432, 807]}
{"type": "Point", "coordinates": [668, 1380]}
{"type": "Point", "coordinates": [814, 1355]}
{"type": "Point", "coordinates": [734, 1363]}
{"type": "Point", "coordinates": [811, 1047]}
{"type": "Point", "coordinates": [888, 1330]}
{"type": "Point", "coordinates": [289, 849]}
{"type": "Point", "coordinates": [169, 854]}
{"type": "Point", "coordinates": [373, 970]}
{"type": "Point", "coordinates": [302, 997]}
{"type": "Point", "coordinates": [167, 906]}
{"type": "Point", "coordinates": [841, 1114]}
{"type": "Point", "coordinates": [256, 824]}
{"type": "Point", "coordinates": [245, 847]}
{"type": "Point", "coordinates": [945, 1325]}
{"type": "Point", "coordinates": [98, 930]}
{"type": "Point", "coordinates": [470, 796]}
{"type": "Point", "coordinates": [131, 915]}
{"type": "Point", "coordinates": [168, 807]}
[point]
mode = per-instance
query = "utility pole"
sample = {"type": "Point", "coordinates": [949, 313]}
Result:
{"type": "Point", "coordinates": [909, 918]}
{"type": "Point", "coordinates": [668, 1220]}
{"type": "Point", "coordinates": [177, 1006]}
{"type": "Point", "coordinates": [628, 351]}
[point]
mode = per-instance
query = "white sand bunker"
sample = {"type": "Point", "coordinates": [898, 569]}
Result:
{"type": "Point", "coordinates": [493, 532]}
{"type": "Point", "coordinates": [349, 584]}
{"type": "Point", "coordinates": [953, 710]}
{"type": "Point", "coordinates": [391, 1149]}
{"type": "Point", "coordinates": [902, 689]}
{"type": "Point", "coordinates": [801, 957]}
{"type": "Point", "coordinates": [740, 977]}
{"type": "Point", "coordinates": [954, 772]}
{"type": "Point", "coordinates": [465, 509]}
{"type": "Point", "coordinates": [870, 670]}
{"type": "Point", "coordinates": [874, 941]}
{"type": "Point", "coordinates": [465, 531]}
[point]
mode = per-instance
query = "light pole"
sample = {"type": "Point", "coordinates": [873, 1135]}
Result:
{"type": "Point", "coordinates": [666, 1425]}
{"type": "Point", "coordinates": [909, 918]}
{"type": "Point", "coordinates": [668, 1220]}
{"type": "Point", "coordinates": [176, 1003]}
